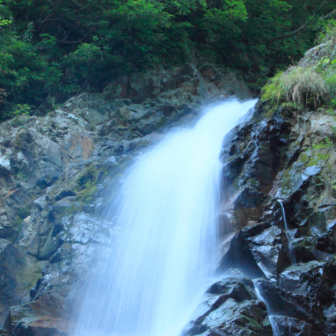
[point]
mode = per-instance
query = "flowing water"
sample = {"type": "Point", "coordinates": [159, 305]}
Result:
{"type": "Point", "coordinates": [168, 246]}
{"type": "Point", "coordinates": [272, 318]}
{"type": "Point", "coordinates": [288, 234]}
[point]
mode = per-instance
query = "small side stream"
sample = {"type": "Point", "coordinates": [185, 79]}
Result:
{"type": "Point", "coordinates": [288, 234]}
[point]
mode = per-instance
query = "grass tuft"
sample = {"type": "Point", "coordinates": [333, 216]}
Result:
{"type": "Point", "coordinates": [302, 86]}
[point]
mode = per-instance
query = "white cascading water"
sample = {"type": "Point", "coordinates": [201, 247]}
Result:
{"type": "Point", "coordinates": [167, 247]}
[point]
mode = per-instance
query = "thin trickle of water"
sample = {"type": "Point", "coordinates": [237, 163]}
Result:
{"type": "Point", "coordinates": [275, 328]}
{"type": "Point", "coordinates": [289, 237]}
{"type": "Point", "coordinates": [168, 219]}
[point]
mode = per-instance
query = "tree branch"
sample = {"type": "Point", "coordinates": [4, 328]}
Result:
{"type": "Point", "coordinates": [283, 37]}
{"type": "Point", "coordinates": [330, 14]}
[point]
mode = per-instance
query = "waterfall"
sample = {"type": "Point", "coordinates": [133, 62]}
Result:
{"type": "Point", "coordinates": [152, 282]}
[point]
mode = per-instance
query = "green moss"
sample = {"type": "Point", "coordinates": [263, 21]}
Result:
{"type": "Point", "coordinates": [286, 179]}
{"type": "Point", "coordinates": [252, 182]}
{"type": "Point", "coordinates": [319, 159]}
{"type": "Point", "coordinates": [303, 158]}
{"type": "Point", "coordinates": [22, 176]}
{"type": "Point", "coordinates": [88, 176]}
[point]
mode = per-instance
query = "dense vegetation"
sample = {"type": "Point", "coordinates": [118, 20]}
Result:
{"type": "Point", "coordinates": [309, 85]}
{"type": "Point", "coordinates": [51, 49]}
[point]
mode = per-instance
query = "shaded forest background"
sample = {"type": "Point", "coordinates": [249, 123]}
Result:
{"type": "Point", "coordinates": [53, 49]}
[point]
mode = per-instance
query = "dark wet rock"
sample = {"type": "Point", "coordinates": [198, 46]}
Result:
{"type": "Point", "coordinates": [297, 278]}
{"type": "Point", "coordinates": [231, 308]}
{"type": "Point", "coordinates": [258, 251]}
{"type": "Point", "coordinates": [228, 284]}
{"type": "Point", "coordinates": [253, 154]}
{"type": "Point", "coordinates": [282, 302]}
{"type": "Point", "coordinates": [295, 177]}
{"type": "Point", "coordinates": [239, 256]}
{"type": "Point", "coordinates": [302, 293]}
{"type": "Point", "coordinates": [244, 318]}
{"type": "Point", "coordinates": [316, 280]}
{"type": "Point", "coordinates": [267, 251]}
{"type": "Point", "coordinates": [305, 250]}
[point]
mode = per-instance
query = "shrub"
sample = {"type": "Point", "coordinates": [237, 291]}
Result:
{"type": "Point", "coordinates": [300, 85]}
{"type": "Point", "coordinates": [331, 82]}
{"type": "Point", "coordinates": [328, 36]}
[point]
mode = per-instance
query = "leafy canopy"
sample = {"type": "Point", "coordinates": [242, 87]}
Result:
{"type": "Point", "coordinates": [53, 49]}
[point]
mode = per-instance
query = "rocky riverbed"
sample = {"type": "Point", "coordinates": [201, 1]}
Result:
{"type": "Point", "coordinates": [59, 173]}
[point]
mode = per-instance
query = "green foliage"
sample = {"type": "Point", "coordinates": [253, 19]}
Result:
{"type": "Point", "coordinates": [318, 159]}
{"type": "Point", "coordinates": [21, 109]}
{"type": "Point", "coordinates": [322, 145]}
{"type": "Point", "coordinates": [298, 85]}
{"type": "Point", "coordinates": [61, 48]}
{"type": "Point", "coordinates": [328, 35]}
{"type": "Point", "coordinates": [25, 75]}
{"type": "Point", "coordinates": [317, 155]}
{"type": "Point", "coordinates": [333, 184]}
{"type": "Point", "coordinates": [312, 85]}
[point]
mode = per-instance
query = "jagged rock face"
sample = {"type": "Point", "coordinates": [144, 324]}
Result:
{"type": "Point", "coordinates": [272, 159]}
{"type": "Point", "coordinates": [231, 307]}
{"type": "Point", "coordinates": [174, 87]}
{"type": "Point", "coordinates": [59, 174]}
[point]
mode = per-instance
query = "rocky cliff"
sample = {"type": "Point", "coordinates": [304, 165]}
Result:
{"type": "Point", "coordinates": [279, 226]}
{"type": "Point", "coordinates": [278, 178]}
{"type": "Point", "coordinates": [58, 174]}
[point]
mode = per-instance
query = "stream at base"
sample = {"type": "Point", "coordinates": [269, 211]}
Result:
{"type": "Point", "coordinates": [167, 249]}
